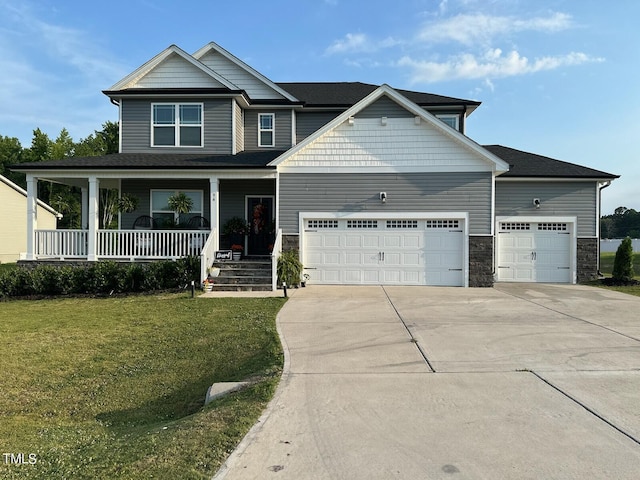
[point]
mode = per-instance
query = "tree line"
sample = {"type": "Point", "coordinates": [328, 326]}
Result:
{"type": "Point", "coordinates": [63, 198]}
{"type": "Point", "coordinates": [624, 222]}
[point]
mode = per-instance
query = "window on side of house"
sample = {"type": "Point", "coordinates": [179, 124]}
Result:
{"type": "Point", "coordinates": [266, 131]}
{"type": "Point", "coordinates": [176, 125]}
{"type": "Point", "coordinates": [452, 120]}
{"type": "Point", "coordinates": [164, 216]}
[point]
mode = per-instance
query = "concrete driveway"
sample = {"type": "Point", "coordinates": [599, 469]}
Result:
{"type": "Point", "coordinates": [515, 382]}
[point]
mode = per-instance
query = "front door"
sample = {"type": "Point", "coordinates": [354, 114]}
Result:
{"type": "Point", "coordinates": [261, 222]}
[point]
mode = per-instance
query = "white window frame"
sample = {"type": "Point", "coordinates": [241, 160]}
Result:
{"type": "Point", "coordinates": [272, 129]}
{"type": "Point", "coordinates": [176, 124]}
{"type": "Point", "coordinates": [447, 117]}
{"type": "Point", "coordinates": [176, 217]}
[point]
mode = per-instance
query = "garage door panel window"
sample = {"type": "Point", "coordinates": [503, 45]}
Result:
{"type": "Point", "coordinates": [362, 224]}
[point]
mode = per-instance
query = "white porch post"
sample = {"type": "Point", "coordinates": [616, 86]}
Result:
{"type": "Point", "coordinates": [84, 212]}
{"type": "Point", "coordinates": [32, 215]}
{"type": "Point", "coordinates": [94, 185]}
{"type": "Point", "coordinates": [214, 208]}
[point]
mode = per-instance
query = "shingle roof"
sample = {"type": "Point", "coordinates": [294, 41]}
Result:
{"type": "Point", "coordinates": [525, 164]}
{"type": "Point", "coordinates": [134, 161]}
{"type": "Point", "coordinates": [346, 94]}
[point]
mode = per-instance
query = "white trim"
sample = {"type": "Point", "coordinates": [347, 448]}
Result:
{"type": "Point", "coordinates": [294, 138]}
{"type": "Point", "coordinates": [551, 179]}
{"type": "Point", "coordinates": [463, 216]}
{"type": "Point", "coordinates": [217, 48]}
{"type": "Point", "coordinates": [177, 125]}
{"type": "Point", "coordinates": [152, 173]}
{"type": "Point", "coordinates": [386, 169]}
{"type": "Point", "coordinates": [272, 129]}
{"type": "Point", "coordinates": [492, 160]}
{"type": "Point", "coordinates": [234, 127]}
{"type": "Point", "coordinates": [542, 219]}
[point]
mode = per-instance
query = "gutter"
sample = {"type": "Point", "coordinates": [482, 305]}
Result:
{"type": "Point", "coordinates": [600, 188]}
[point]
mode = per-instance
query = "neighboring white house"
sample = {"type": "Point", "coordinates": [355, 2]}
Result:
{"type": "Point", "coordinates": [13, 220]}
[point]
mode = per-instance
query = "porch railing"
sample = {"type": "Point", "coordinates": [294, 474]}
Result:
{"type": "Point", "coordinates": [61, 243]}
{"type": "Point", "coordinates": [275, 254]}
{"type": "Point", "coordinates": [208, 253]}
{"type": "Point", "coordinates": [129, 244]}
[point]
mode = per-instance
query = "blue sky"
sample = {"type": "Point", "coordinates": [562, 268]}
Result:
{"type": "Point", "coordinates": [556, 77]}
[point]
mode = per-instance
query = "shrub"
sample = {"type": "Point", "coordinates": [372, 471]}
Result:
{"type": "Point", "coordinates": [623, 263]}
{"type": "Point", "coordinates": [289, 268]}
{"type": "Point", "coordinates": [99, 278]}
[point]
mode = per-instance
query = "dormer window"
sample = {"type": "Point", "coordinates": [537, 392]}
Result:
{"type": "Point", "coordinates": [450, 119]}
{"type": "Point", "coordinates": [266, 135]}
{"type": "Point", "coordinates": [177, 125]}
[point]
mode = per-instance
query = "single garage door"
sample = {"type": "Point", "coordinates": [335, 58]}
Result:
{"type": "Point", "coordinates": [384, 251]}
{"type": "Point", "coordinates": [534, 252]}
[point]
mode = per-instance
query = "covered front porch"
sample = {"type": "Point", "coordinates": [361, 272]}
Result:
{"type": "Point", "coordinates": [162, 234]}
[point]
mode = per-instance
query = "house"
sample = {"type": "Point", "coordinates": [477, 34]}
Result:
{"type": "Point", "coordinates": [373, 185]}
{"type": "Point", "coordinates": [13, 221]}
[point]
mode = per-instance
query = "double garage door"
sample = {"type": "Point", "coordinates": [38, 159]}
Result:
{"type": "Point", "coordinates": [384, 251]}
{"type": "Point", "coordinates": [535, 252]}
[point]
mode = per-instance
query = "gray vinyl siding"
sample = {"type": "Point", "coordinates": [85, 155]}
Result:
{"type": "Point", "coordinates": [575, 199]}
{"type": "Point", "coordinates": [142, 187]}
{"type": "Point", "coordinates": [282, 129]}
{"type": "Point", "coordinates": [417, 192]}
{"type": "Point", "coordinates": [384, 107]}
{"type": "Point", "coordinates": [308, 123]}
{"type": "Point", "coordinates": [233, 193]}
{"type": "Point", "coordinates": [136, 127]}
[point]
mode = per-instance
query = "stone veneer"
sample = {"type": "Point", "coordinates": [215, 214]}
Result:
{"type": "Point", "coordinates": [290, 242]}
{"type": "Point", "coordinates": [480, 261]}
{"type": "Point", "coordinates": [587, 259]}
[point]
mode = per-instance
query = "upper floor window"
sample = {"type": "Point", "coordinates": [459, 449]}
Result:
{"type": "Point", "coordinates": [177, 125]}
{"type": "Point", "coordinates": [450, 119]}
{"type": "Point", "coordinates": [266, 134]}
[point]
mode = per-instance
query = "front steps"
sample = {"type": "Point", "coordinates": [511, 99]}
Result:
{"type": "Point", "coordinates": [248, 275]}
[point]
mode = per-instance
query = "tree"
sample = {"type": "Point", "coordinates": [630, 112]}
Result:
{"type": "Point", "coordinates": [623, 263]}
{"type": "Point", "coordinates": [10, 154]}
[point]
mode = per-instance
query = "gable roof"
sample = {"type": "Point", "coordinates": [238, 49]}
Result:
{"type": "Point", "coordinates": [214, 47]}
{"type": "Point", "coordinates": [525, 164]}
{"type": "Point", "coordinates": [23, 192]}
{"type": "Point", "coordinates": [346, 94]}
{"type": "Point", "coordinates": [130, 80]}
{"type": "Point", "coordinates": [497, 164]}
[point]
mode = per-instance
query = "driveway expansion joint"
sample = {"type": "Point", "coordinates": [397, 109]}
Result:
{"type": "Point", "coordinates": [588, 409]}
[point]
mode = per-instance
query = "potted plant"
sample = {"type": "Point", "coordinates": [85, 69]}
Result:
{"type": "Point", "coordinates": [237, 251]}
{"type": "Point", "coordinates": [235, 229]}
{"type": "Point", "coordinates": [207, 285]}
{"type": "Point", "coordinates": [289, 268]}
{"type": "Point", "coordinates": [180, 204]}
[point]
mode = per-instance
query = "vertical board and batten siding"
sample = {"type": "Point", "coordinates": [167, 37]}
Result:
{"type": "Point", "coordinates": [176, 72]}
{"type": "Point", "coordinates": [142, 187]}
{"type": "Point", "coordinates": [239, 115]}
{"type": "Point", "coordinates": [136, 126]}
{"type": "Point", "coordinates": [255, 87]}
{"type": "Point", "coordinates": [416, 192]}
{"type": "Point", "coordinates": [282, 129]}
{"type": "Point", "coordinates": [575, 199]}
{"type": "Point", "coordinates": [308, 123]}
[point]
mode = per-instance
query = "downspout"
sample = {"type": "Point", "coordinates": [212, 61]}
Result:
{"type": "Point", "coordinates": [600, 188]}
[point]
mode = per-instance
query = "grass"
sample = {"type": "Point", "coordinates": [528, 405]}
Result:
{"type": "Point", "coordinates": [606, 267]}
{"type": "Point", "coordinates": [114, 388]}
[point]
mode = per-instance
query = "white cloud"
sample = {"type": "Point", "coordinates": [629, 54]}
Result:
{"type": "Point", "coordinates": [360, 43]}
{"type": "Point", "coordinates": [469, 29]}
{"type": "Point", "coordinates": [491, 65]}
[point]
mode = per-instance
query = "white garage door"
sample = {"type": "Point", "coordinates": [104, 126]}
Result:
{"type": "Point", "coordinates": [534, 252]}
{"type": "Point", "coordinates": [384, 251]}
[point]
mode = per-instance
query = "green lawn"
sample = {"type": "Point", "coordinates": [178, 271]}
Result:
{"type": "Point", "coordinates": [114, 388]}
